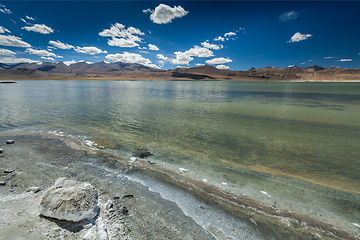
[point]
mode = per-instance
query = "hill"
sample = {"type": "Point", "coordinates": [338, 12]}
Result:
{"type": "Point", "coordinates": [128, 71]}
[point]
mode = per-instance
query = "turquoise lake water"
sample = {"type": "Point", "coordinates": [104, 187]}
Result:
{"type": "Point", "coordinates": [293, 145]}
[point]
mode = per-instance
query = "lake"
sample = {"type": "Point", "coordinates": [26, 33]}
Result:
{"type": "Point", "coordinates": [294, 145]}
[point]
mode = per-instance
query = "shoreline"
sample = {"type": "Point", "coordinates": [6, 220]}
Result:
{"type": "Point", "coordinates": [268, 220]}
{"type": "Point", "coordinates": [6, 80]}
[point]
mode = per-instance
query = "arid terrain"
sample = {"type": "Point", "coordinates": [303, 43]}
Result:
{"type": "Point", "coordinates": [127, 71]}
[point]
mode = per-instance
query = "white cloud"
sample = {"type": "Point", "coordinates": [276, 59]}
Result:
{"type": "Point", "coordinates": [288, 16]}
{"type": "Point", "coordinates": [122, 42]}
{"type": "Point", "coordinates": [197, 51]}
{"type": "Point", "coordinates": [30, 18]}
{"type": "Point", "coordinates": [61, 45]}
{"type": "Point", "coordinates": [199, 64]}
{"type": "Point", "coordinates": [206, 44]}
{"type": "Point", "coordinates": [164, 14]}
{"type": "Point", "coordinates": [310, 60]}
{"type": "Point", "coordinates": [181, 59]}
{"type": "Point", "coordinates": [329, 57]}
{"type": "Point", "coordinates": [5, 52]}
{"type": "Point", "coordinates": [148, 11]}
{"type": "Point", "coordinates": [130, 58]}
{"type": "Point", "coordinates": [219, 60]}
{"type": "Point", "coordinates": [153, 47]}
{"type": "Point", "coordinates": [346, 60]}
{"type": "Point", "coordinates": [16, 60]}
{"type": "Point", "coordinates": [222, 67]}
{"type": "Point", "coordinates": [3, 30]}
{"type": "Point", "coordinates": [219, 38]}
{"type": "Point", "coordinates": [89, 50]}
{"type": "Point", "coordinates": [3, 9]}
{"type": "Point", "coordinates": [68, 63]}
{"type": "Point", "coordinates": [162, 57]}
{"type": "Point", "coordinates": [39, 28]}
{"type": "Point", "coordinates": [299, 37]}
{"type": "Point", "coordinates": [229, 34]}
{"type": "Point", "coordinates": [122, 37]}
{"type": "Point", "coordinates": [41, 52]}
{"type": "Point", "coordinates": [48, 58]}
{"type": "Point", "coordinates": [13, 41]}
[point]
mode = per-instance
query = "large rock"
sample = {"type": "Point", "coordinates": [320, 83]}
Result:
{"type": "Point", "coordinates": [70, 200]}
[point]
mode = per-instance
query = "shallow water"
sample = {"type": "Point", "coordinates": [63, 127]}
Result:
{"type": "Point", "coordinates": [292, 145]}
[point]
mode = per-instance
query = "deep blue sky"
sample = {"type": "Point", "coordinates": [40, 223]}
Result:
{"type": "Point", "coordinates": [259, 34]}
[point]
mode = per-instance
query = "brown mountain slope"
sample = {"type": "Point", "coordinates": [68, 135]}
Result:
{"type": "Point", "coordinates": [127, 71]}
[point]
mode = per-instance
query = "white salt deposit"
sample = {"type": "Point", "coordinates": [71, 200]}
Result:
{"type": "Point", "coordinates": [183, 170]}
{"type": "Point", "coordinates": [263, 192]}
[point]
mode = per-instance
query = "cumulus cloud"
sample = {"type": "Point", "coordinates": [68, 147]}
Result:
{"type": "Point", "coordinates": [162, 57]}
{"type": "Point", "coordinates": [329, 57]}
{"type": "Point", "coordinates": [13, 41]}
{"type": "Point", "coordinates": [164, 14]}
{"type": "Point", "coordinates": [229, 34]}
{"type": "Point", "coordinates": [153, 47]}
{"type": "Point", "coordinates": [39, 28]}
{"type": "Point", "coordinates": [89, 50]}
{"type": "Point", "coordinates": [121, 36]}
{"type": "Point", "coordinates": [197, 51]}
{"type": "Point", "coordinates": [222, 67]}
{"type": "Point", "coordinates": [131, 58]}
{"type": "Point", "coordinates": [43, 53]}
{"type": "Point", "coordinates": [3, 30]}
{"type": "Point", "coordinates": [299, 37]}
{"type": "Point", "coordinates": [288, 16]}
{"type": "Point", "coordinates": [16, 60]}
{"type": "Point", "coordinates": [219, 38]}
{"type": "Point", "coordinates": [208, 45]}
{"type": "Point", "coordinates": [199, 64]}
{"type": "Point", "coordinates": [48, 58]}
{"type": "Point", "coordinates": [3, 9]}
{"type": "Point", "coordinates": [5, 52]}
{"type": "Point", "coordinates": [346, 60]}
{"type": "Point", "coordinates": [219, 60]}
{"type": "Point", "coordinates": [30, 18]}
{"type": "Point", "coordinates": [183, 58]}
{"type": "Point", "coordinates": [61, 45]}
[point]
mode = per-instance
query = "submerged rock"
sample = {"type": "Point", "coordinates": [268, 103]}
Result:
{"type": "Point", "coordinates": [70, 200]}
{"type": "Point", "coordinates": [142, 153]}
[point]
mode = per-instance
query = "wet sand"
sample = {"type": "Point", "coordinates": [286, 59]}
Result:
{"type": "Point", "coordinates": [149, 201]}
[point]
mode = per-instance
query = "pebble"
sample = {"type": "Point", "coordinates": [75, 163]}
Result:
{"type": "Point", "coordinates": [33, 189]}
{"type": "Point", "coordinates": [9, 170]}
{"type": "Point", "coordinates": [10, 142]}
{"type": "Point", "coordinates": [2, 183]}
{"type": "Point", "coordinates": [1, 151]}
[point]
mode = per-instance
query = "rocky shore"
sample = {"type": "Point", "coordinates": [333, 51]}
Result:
{"type": "Point", "coordinates": [128, 210]}
{"type": "Point", "coordinates": [39, 172]}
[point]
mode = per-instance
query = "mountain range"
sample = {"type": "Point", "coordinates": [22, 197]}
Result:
{"type": "Point", "coordinates": [129, 71]}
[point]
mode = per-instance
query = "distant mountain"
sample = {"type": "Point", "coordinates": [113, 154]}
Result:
{"type": "Point", "coordinates": [133, 71]}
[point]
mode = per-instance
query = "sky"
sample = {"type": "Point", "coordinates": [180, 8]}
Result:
{"type": "Point", "coordinates": [235, 35]}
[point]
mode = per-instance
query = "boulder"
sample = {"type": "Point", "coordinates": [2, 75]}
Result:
{"type": "Point", "coordinates": [70, 200]}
